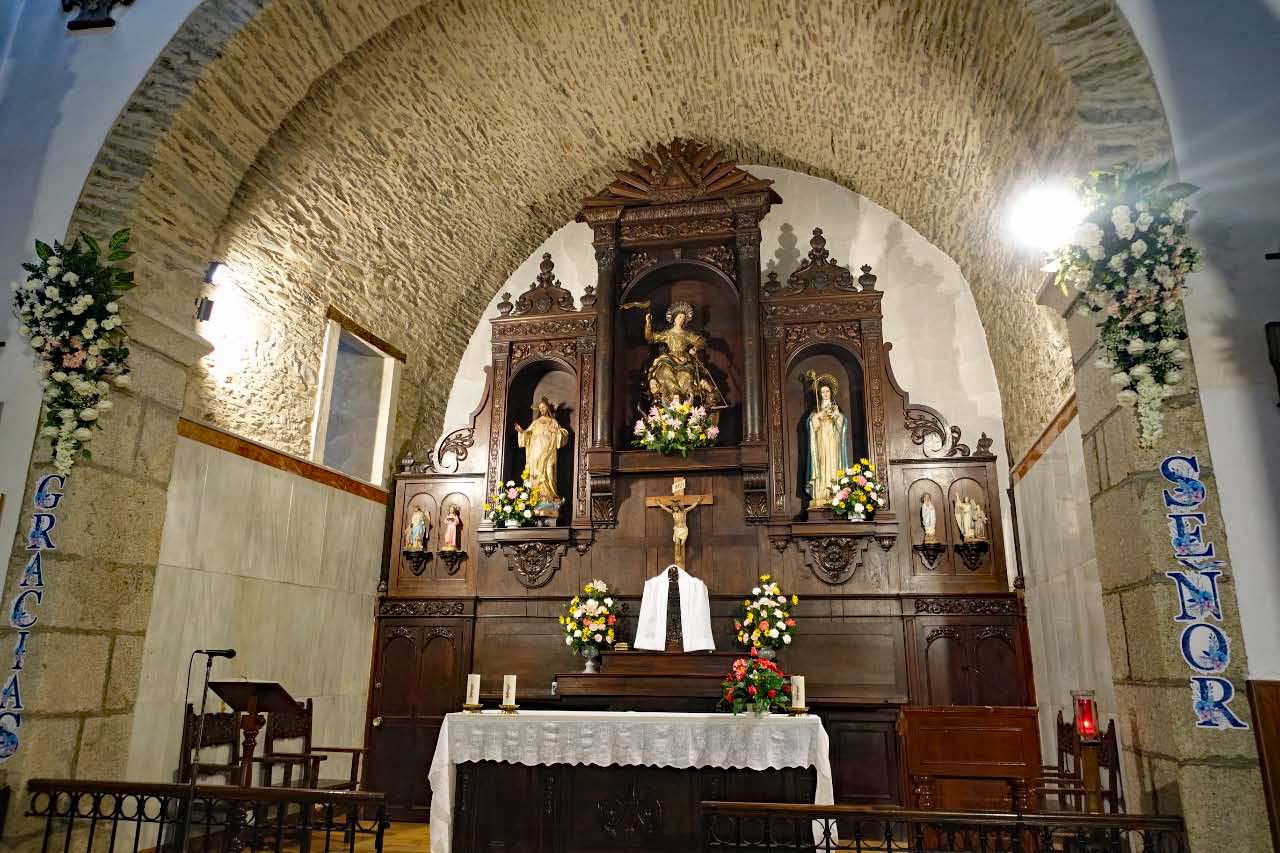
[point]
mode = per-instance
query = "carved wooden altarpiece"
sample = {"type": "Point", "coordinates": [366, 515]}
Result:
{"type": "Point", "coordinates": [890, 615]}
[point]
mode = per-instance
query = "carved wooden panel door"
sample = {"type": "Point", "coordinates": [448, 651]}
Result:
{"type": "Point", "coordinates": [419, 677]}
{"type": "Point", "coordinates": [972, 664]}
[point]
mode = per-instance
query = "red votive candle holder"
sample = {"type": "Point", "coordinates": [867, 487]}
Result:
{"type": "Point", "coordinates": [1086, 708]}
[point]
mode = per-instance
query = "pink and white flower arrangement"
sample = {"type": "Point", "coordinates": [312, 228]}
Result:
{"type": "Point", "coordinates": [1130, 257]}
{"type": "Point", "coordinates": [68, 310]}
{"type": "Point", "coordinates": [856, 492]}
{"type": "Point", "coordinates": [675, 427]}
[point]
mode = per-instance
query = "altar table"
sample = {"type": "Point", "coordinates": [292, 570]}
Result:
{"type": "Point", "coordinates": [674, 741]}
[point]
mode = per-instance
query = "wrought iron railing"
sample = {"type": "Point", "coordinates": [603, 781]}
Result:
{"type": "Point", "coordinates": [781, 827]}
{"type": "Point", "coordinates": [81, 816]}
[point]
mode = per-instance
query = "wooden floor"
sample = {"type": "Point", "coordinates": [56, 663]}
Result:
{"type": "Point", "coordinates": [399, 838]}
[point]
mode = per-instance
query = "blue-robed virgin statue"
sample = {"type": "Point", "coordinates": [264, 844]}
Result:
{"type": "Point", "coordinates": [828, 429]}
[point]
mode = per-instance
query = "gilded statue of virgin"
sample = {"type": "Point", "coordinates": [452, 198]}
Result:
{"type": "Point", "coordinates": [828, 430]}
{"type": "Point", "coordinates": [679, 371]}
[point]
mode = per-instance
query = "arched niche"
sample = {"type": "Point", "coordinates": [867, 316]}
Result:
{"type": "Point", "coordinates": [530, 382]}
{"type": "Point", "coordinates": [823, 359]}
{"type": "Point", "coordinates": [717, 318]}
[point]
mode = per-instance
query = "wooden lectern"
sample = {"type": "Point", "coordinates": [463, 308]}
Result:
{"type": "Point", "coordinates": [252, 699]}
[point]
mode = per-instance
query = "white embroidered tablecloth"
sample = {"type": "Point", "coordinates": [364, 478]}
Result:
{"type": "Point", "coordinates": [602, 739]}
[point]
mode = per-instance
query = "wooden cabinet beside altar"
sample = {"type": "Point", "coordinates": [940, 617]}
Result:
{"type": "Point", "coordinates": [422, 656]}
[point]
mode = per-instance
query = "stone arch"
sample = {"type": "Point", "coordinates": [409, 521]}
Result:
{"type": "Point", "coordinates": [1041, 86]}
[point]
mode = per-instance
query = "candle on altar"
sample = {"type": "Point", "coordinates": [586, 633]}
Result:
{"type": "Point", "coordinates": [473, 689]}
{"type": "Point", "coordinates": [797, 691]}
{"type": "Point", "coordinates": [508, 690]}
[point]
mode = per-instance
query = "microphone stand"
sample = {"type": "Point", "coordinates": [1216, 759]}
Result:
{"type": "Point", "coordinates": [195, 761]}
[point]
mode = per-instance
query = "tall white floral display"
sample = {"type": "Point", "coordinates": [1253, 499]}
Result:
{"type": "Point", "coordinates": [1130, 257]}
{"type": "Point", "coordinates": [68, 310]}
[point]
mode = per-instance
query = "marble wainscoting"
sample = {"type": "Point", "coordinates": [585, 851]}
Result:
{"type": "Point", "coordinates": [1069, 649]}
{"type": "Point", "coordinates": [275, 565]}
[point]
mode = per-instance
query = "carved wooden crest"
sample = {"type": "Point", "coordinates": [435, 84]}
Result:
{"type": "Point", "coordinates": [546, 295]}
{"type": "Point", "coordinates": [834, 559]}
{"type": "Point", "coordinates": [534, 563]}
{"type": "Point", "coordinates": [819, 274]}
{"type": "Point", "coordinates": [680, 171]}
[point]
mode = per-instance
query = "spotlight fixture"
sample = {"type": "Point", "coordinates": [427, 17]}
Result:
{"type": "Point", "coordinates": [1046, 216]}
{"type": "Point", "coordinates": [217, 274]}
{"type": "Point", "coordinates": [204, 308]}
{"type": "Point", "coordinates": [1273, 348]}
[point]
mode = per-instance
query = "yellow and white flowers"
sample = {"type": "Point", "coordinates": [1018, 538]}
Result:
{"type": "Point", "coordinates": [589, 620]}
{"type": "Point", "coordinates": [856, 492]}
{"type": "Point", "coordinates": [67, 311]}
{"type": "Point", "coordinates": [764, 621]}
{"type": "Point", "coordinates": [513, 503]}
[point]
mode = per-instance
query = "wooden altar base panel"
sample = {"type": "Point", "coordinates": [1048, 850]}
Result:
{"type": "Point", "coordinates": [575, 809]}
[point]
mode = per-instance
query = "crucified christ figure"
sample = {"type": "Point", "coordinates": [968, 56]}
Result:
{"type": "Point", "coordinates": [679, 508]}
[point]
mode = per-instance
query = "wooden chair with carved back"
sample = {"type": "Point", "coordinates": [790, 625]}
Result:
{"type": "Point", "coordinates": [1062, 781]}
{"type": "Point", "coordinates": [305, 762]}
{"type": "Point", "coordinates": [219, 754]}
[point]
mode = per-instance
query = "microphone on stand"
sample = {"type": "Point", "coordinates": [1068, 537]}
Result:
{"type": "Point", "coordinates": [209, 654]}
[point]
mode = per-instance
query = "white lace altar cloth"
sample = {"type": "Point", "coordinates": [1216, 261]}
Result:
{"type": "Point", "coordinates": [603, 739]}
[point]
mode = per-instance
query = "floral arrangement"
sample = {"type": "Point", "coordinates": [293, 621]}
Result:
{"type": "Point", "coordinates": [675, 427]}
{"type": "Point", "coordinates": [757, 685]}
{"type": "Point", "coordinates": [1130, 257]}
{"type": "Point", "coordinates": [68, 311]}
{"type": "Point", "coordinates": [856, 492]}
{"type": "Point", "coordinates": [765, 621]}
{"type": "Point", "coordinates": [589, 620]}
{"type": "Point", "coordinates": [513, 502]}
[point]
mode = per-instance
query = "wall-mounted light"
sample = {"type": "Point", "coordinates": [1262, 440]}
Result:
{"type": "Point", "coordinates": [204, 309]}
{"type": "Point", "coordinates": [1273, 348]}
{"type": "Point", "coordinates": [217, 274]}
{"type": "Point", "coordinates": [1045, 217]}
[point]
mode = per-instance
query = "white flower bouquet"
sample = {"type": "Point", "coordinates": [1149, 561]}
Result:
{"type": "Point", "coordinates": [856, 492]}
{"type": "Point", "coordinates": [68, 311]}
{"type": "Point", "coordinates": [1130, 257]}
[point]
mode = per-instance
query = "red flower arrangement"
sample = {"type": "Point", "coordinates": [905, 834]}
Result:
{"type": "Point", "coordinates": [757, 685]}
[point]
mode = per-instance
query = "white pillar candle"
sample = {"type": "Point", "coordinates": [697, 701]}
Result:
{"type": "Point", "coordinates": [508, 690]}
{"type": "Point", "coordinates": [473, 689]}
{"type": "Point", "coordinates": [797, 691]}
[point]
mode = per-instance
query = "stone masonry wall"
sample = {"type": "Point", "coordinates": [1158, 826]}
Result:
{"type": "Point", "coordinates": [420, 171]}
{"type": "Point", "coordinates": [1211, 777]}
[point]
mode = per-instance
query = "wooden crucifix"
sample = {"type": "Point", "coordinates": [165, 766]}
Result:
{"type": "Point", "coordinates": [679, 505]}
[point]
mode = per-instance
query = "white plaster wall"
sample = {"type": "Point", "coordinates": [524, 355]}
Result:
{"type": "Point", "coordinates": [940, 353]}
{"type": "Point", "coordinates": [1219, 78]}
{"type": "Point", "coordinates": [60, 92]}
{"type": "Point", "coordinates": [1064, 597]}
{"type": "Point", "coordinates": [282, 569]}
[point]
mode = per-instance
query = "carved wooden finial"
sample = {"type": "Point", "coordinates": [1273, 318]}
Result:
{"type": "Point", "coordinates": [505, 306]}
{"type": "Point", "coordinates": [867, 281]}
{"type": "Point", "coordinates": [588, 299]}
{"type": "Point", "coordinates": [546, 295]}
{"type": "Point", "coordinates": [818, 247]}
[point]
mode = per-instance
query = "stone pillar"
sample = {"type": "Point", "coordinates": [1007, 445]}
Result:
{"type": "Point", "coordinates": [1170, 765]}
{"type": "Point", "coordinates": [79, 679]}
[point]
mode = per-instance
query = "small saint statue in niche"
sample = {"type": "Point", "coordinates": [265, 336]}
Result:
{"type": "Point", "coordinates": [416, 531]}
{"type": "Point", "coordinates": [540, 441]}
{"type": "Point", "coordinates": [928, 519]}
{"type": "Point", "coordinates": [451, 537]}
{"type": "Point", "coordinates": [971, 519]}
{"type": "Point", "coordinates": [679, 372]}
{"type": "Point", "coordinates": [828, 430]}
